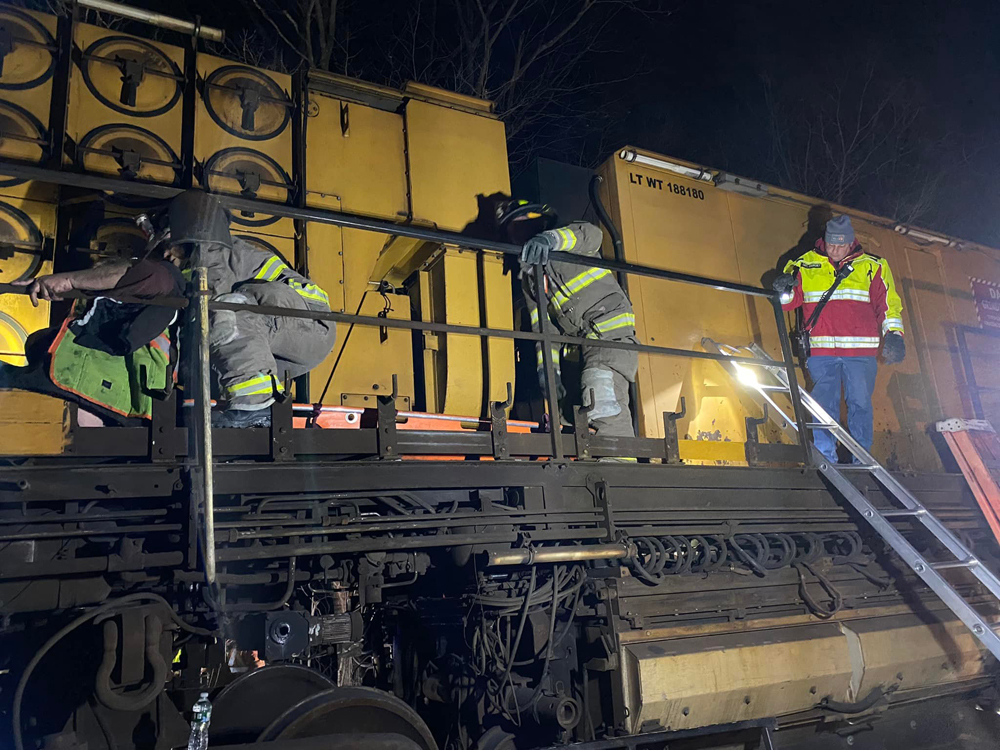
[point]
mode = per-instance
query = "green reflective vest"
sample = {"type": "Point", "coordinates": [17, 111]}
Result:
{"type": "Point", "coordinates": [123, 385]}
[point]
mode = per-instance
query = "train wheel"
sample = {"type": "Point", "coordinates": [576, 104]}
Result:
{"type": "Point", "coordinates": [350, 711]}
{"type": "Point", "coordinates": [251, 702]}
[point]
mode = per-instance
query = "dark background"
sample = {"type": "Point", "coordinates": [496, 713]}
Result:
{"type": "Point", "coordinates": [884, 105]}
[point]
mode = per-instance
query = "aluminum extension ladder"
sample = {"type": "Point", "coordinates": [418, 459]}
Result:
{"type": "Point", "coordinates": [960, 557]}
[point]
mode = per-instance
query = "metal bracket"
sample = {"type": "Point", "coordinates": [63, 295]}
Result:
{"type": "Point", "coordinates": [249, 102]}
{"type": "Point", "coordinates": [581, 428]}
{"type": "Point", "coordinates": [163, 443]}
{"type": "Point", "coordinates": [498, 424]}
{"type": "Point", "coordinates": [281, 430]}
{"type": "Point", "coordinates": [671, 443]}
{"type": "Point", "coordinates": [386, 415]}
{"type": "Point", "coordinates": [132, 75]}
{"type": "Point", "coordinates": [753, 439]}
{"type": "Point", "coordinates": [601, 493]}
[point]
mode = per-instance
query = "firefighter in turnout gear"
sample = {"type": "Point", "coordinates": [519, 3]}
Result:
{"type": "Point", "coordinates": [252, 354]}
{"type": "Point", "coordinates": [582, 301]}
{"type": "Point", "coordinates": [850, 306]}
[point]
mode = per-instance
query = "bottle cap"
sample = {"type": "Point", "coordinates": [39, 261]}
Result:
{"type": "Point", "coordinates": [204, 695]}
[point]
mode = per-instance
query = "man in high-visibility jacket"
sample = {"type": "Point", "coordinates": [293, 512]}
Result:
{"type": "Point", "coordinates": [583, 301]}
{"type": "Point", "coordinates": [251, 354]}
{"type": "Point", "coordinates": [863, 312]}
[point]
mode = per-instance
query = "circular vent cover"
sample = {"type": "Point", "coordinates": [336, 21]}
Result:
{"type": "Point", "coordinates": [12, 340]}
{"type": "Point", "coordinates": [130, 152]}
{"type": "Point", "coordinates": [20, 245]}
{"type": "Point", "coordinates": [250, 174]}
{"type": "Point", "coordinates": [246, 102]}
{"type": "Point", "coordinates": [21, 138]}
{"type": "Point", "coordinates": [31, 59]}
{"type": "Point", "coordinates": [131, 76]}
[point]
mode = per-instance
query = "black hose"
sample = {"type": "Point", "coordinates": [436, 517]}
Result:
{"type": "Point", "coordinates": [212, 602]}
{"type": "Point", "coordinates": [69, 628]}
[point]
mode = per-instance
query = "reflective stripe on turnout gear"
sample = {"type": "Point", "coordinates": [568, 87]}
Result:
{"type": "Point", "coordinates": [255, 386]}
{"type": "Point", "coordinates": [577, 283]}
{"type": "Point", "coordinates": [567, 239]}
{"type": "Point", "coordinates": [622, 320]}
{"type": "Point", "coordinates": [556, 350]}
{"type": "Point", "coordinates": [271, 270]}
{"type": "Point", "coordinates": [309, 291]}
{"type": "Point", "coordinates": [858, 295]}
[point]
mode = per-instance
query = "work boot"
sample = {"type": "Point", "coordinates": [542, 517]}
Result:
{"type": "Point", "coordinates": [239, 418]}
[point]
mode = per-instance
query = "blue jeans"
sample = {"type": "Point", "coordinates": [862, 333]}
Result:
{"type": "Point", "coordinates": [857, 377]}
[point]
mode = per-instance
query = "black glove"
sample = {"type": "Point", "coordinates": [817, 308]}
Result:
{"type": "Point", "coordinates": [537, 249]}
{"type": "Point", "coordinates": [784, 284]}
{"type": "Point", "coordinates": [893, 348]}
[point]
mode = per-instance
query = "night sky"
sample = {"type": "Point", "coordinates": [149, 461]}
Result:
{"type": "Point", "coordinates": [686, 79]}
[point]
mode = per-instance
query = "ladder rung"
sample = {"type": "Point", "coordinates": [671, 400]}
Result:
{"type": "Point", "coordinates": [858, 467]}
{"type": "Point", "coordinates": [822, 426]}
{"type": "Point", "coordinates": [904, 513]}
{"type": "Point", "coordinates": [775, 388]}
{"type": "Point", "coordinates": [969, 562]}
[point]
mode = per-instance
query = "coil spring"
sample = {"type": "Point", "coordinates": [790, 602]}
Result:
{"type": "Point", "coordinates": [658, 557]}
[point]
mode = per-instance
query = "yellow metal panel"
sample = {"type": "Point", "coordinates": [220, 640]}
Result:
{"type": "Point", "coordinates": [24, 111]}
{"type": "Point", "coordinates": [701, 681]}
{"type": "Point", "coordinates": [99, 121]}
{"type": "Point", "coordinates": [925, 653]}
{"type": "Point", "coordinates": [458, 358]}
{"type": "Point", "coordinates": [368, 363]}
{"type": "Point", "coordinates": [227, 147]}
{"type": "Point", "coordinates": [712, 450]}
{"type": "Point", "coordinates": [31, 424]}
{"type": "Point", "coordinates": [689, 232]}
{"type": "Point", "coordinates": [362, 169]}
{"type": "Point", "coordinates": [32, 223]}
{"type": "Point", "coordinates": [499, 313]}
{"type": "Point", "coordinates": [326, 261]}
{"type": "Point", "coordinates": [453, 156]}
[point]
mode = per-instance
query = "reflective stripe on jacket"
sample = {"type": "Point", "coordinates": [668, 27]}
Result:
{"type": "Point", "coordinates": [247, 263]}
{"type": "Point", "coordinates": [864, 307]}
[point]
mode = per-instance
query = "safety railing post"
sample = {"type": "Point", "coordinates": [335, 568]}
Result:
{"type": "Point", "coordinates": [551, 392]}
{"type": "Point", "coordinates": [788, 359]}
{"type": "Point", "coordinates": [204, 403]}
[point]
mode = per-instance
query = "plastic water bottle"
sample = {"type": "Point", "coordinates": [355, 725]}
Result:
{"type": "Point", "coordinates": [200, 719]}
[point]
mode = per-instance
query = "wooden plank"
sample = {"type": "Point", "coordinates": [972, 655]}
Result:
{"type": "Point", "coordinates": [32, 424]}
{"type": "Point", "coordinates": [981, 482]}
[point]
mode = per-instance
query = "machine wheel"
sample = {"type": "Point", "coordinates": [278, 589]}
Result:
{"type": "Point", "coordinates": [350, 711]}
{"type": "Point", "coordinates": [250, 703]}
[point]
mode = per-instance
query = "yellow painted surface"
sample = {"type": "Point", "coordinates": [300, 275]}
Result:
{"type": "Point", "coordinates": [735, 237]}
{"type": "Point", "coordinates": [368, 363]}
{"type": "Point", "coordinates": [362, 169]}
{"type": "Point", "coordinates": [92, 121]}
{"type": "Point", "coordinates": [26, 111]}
{"type": "Point", "coordinates": [233, 152]}
{"type": "Point", "coordinates": [454, 156]}
{"type": "Point", "coordinates": [498, 313]}
{"type": "Point", "coordinates": [702, 681]}
{"type": "Point", "coordinates": [926, 654]}
{"type": "Point", "coordinates": [23, 221]}
{"type": "Point", "coordinates": [31, 424]}
{"type": "Point", "coordinates": [457, 359]}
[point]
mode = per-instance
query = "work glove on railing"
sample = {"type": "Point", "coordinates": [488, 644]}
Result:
{"type": "Point", "coordinates": [537, 249]}
{"type": "Point", "coordinates": [893, 348]}
{"type": "Point", "coordinates": [784, 284]}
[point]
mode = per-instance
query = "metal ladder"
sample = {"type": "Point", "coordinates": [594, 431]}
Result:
{"type": "Point", "coordinates": [880, 520]}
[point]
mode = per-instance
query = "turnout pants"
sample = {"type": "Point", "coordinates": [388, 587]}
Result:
{"type": "Point", "coordinates": [606, 376]}
{"type": "Point", "coordinates": [253, 354]}
{"type": "Point", "coordinates": [856, 375]}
